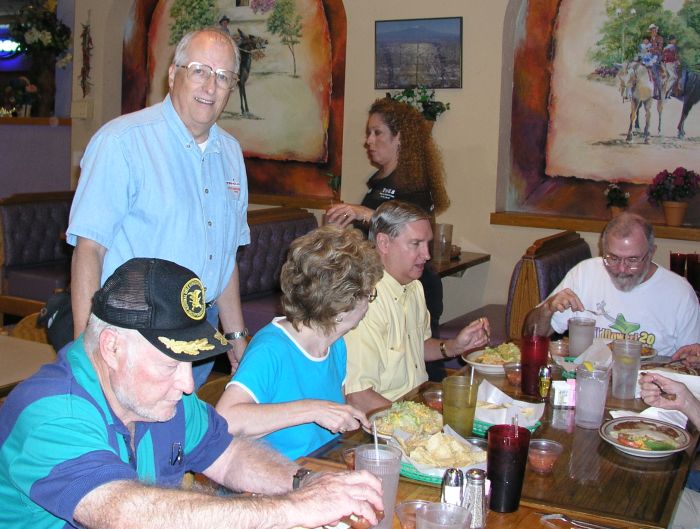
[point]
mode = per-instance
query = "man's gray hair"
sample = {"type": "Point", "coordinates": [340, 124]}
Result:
{"type": "Point", "coordinates": [392, 216]}
{"type": "Point", "coordinates": [95, 326]}
{"type": "Point", "coordinates": [180, 56]}
{"type": "Point", "coordinates": [623, 225]}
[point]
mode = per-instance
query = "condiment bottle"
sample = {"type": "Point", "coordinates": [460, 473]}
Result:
{"type": "Point", "coordinates": [475, 498]}
{"type": "Point", "coordinates": [545, 381]}
{"type": "Point", "coordinates": [452, 482]}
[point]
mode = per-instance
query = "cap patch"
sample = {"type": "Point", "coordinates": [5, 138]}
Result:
{"type": "Point", "coordinates": [192, 298]}
{"type": "Point", "coordinates": [192, 348]}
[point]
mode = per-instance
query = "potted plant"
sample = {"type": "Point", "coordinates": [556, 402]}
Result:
{"type": "Point", "coordinates": [617, 199]}
{"type": "Point", "coordinates": [46, 40]}
{"type": "Point", "coordinates": [671, 189]}
{"type": "Point", "coordinates": [422, 99]}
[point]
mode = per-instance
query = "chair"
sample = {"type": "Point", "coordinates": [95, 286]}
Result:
{"type": "Point", "coordinates": [535, 275]}
{"type": "Point", "coordinates": [538, 272]}
{"type": "Point", "coordinates": [27, 329]}
{"type": "Point", "coordinates": [213, 388]}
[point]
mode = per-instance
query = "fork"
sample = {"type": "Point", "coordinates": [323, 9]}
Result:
{"type": "Point", "coordinates": [593, 312]}
{"type": "Point", "coordinates": [575, 523]}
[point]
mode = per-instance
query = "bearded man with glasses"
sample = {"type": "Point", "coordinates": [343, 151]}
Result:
{"type": "Point", "coordinates": [626, 292]}
{"type": "Point", "coordinates": [168, 182]}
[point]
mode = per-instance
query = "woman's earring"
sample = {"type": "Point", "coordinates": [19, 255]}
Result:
{"type": "Point", "coordinates": [338, 319]}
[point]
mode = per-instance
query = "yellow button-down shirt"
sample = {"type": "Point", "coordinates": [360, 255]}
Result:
{"type": "Point", "coordinates": [386, 351]}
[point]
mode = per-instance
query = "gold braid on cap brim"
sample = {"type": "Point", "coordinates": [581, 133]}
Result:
{"type": "Point", "coordinates": [192, 348]}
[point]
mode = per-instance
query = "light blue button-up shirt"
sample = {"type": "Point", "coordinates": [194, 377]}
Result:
{"type": "Point", "coordinates": [147, 190]}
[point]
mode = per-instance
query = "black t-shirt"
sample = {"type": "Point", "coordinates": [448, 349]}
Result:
{"type": "Point", "coordinates": [383, 189]}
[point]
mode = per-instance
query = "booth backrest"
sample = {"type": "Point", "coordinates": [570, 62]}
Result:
{"type": "Point", "coordinates": [538, 272]}
{"type": "Point", "coordinates": [34, 256]}
{"type": "Point", "coordinates": [271, 232]}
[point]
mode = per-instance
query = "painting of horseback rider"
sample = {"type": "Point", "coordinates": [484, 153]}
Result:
{"type": "Point", "coordinates": [671, 66]}
{"type": "Point", "coordinates": [656, 48]}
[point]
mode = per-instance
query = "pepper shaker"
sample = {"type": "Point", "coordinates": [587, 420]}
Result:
{"type": "Point", "coordinates": [451, 490]}
{"type": "Point", "coordinates": [475, 498]}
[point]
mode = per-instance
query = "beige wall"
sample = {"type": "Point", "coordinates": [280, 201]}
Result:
{"type": "Point", "coordinates": [468, 134]}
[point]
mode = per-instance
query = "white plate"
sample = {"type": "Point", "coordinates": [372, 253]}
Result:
{"type": "Point", "coordinates": [607, 427]}
{"type": "Point", "coordinates": [374, 417]}
{"type": "Point", "coordinates": [486, 369]}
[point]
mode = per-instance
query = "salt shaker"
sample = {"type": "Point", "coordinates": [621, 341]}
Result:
{"type": "Point", "coordinates": [475, 498]}
{"type": "Point", "coordinates": [452, 482]}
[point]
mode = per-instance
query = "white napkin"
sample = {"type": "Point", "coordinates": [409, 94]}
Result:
{"type": "Point", "coordinates": [672, 416]}
{"type": "Point", "coordinates": [598, 354]}
{"type": "Point", "coordinates": [528, 413]}
{"type": "Point", "coordinates": [426, 469]}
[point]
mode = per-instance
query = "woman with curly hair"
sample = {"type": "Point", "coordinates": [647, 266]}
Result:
{"type": "Point", "coordinates": [289, 386]}
{"type": "Point", "coordinates": [409, 166]}
{"type": "Point", "coordinates": [400, 145]}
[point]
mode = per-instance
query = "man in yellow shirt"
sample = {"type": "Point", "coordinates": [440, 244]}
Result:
{"type": "Point", "coordinates": [388, 349]}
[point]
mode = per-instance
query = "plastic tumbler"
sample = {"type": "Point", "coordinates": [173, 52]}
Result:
{"type": "Point", "coordinates": [506, 458]}
{"type": "Point", "coordinates": [591, 391]}
{"type": "Point", "coordinates": [384, 462]}
{"type": "Point", "coordinates": [442, 516]}
{"type": "Point", "coordinates": [625, 369]}
{"type": "Point", "coordinates": [678, 263]}
{"type": "Point", "coordinates": [533, 355]}
{"type": "Point", "coordinates": [459, 403]}
{"type": "Point", "coordinates": [581, 332]}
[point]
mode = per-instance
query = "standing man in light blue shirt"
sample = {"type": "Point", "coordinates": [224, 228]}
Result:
{"type": "Point", "coordinates": [168, 182]}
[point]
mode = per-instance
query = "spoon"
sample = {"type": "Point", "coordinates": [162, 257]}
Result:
{"type": "Point", "coordinates": [575, 523]}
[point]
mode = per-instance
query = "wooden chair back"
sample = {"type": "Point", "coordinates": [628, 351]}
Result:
{"type": "Point", "coordinates": [27, 329]}
{"type": "Point", "coordinates": [539, 271]}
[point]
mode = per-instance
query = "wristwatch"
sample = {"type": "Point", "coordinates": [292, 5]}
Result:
{"type": "Point", "coordinates": [236, 335]}
{"type": "Point", "coordinates": [443, 351]}
{"type": "Point", "coordinates": [299, 476]}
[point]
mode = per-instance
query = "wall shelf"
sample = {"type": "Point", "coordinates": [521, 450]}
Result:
{"type": "Point", "coordinates": [531, 220]}
{"type": "Point", "coordinates": [51, 122]}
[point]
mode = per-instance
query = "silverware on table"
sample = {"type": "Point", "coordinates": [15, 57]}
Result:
{"type": "Point", "coordinates": [572, 521]}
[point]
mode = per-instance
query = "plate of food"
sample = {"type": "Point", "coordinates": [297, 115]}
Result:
{"type": "Point", "coordinates": [671, 367]}
{"type": "Point", "coordinates": [647, 352]}
{"type": "Point", "coordinates": [410, 417]}
{"type": "Point", "coordinates": [647, 438]}
{"type": "Point", "coordinates": [426, 457]}
{"type": "Point", "coordinates": [490, 361]}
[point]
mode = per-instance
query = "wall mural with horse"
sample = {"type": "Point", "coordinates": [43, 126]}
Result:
{"type": "Point", "coordinates": [286, 114]}
{"type": "Point", "coordinates": [603, 91]}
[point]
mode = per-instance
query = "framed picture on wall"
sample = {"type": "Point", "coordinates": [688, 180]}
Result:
{"type": "Point", "coordinates": [418, 52]}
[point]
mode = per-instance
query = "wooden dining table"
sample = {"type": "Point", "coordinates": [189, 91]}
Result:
{"type": "Point", "coordinates": [591, 480]}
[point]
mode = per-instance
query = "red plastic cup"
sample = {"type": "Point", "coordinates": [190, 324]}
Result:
{"type": "Point", "coordinates": [506, 454]}
{"type": "Point", "coordinates": [678, 263]}
{"type": "Point", "coordinates": [533, 355]}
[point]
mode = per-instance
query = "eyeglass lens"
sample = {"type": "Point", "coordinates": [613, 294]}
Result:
{"type": "Point", "coordinates": [200, 73]}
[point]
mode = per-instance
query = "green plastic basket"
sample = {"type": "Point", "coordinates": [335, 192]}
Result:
{"type": "Point", "coordinates": [480, 427]}
{"type": "Point", "coordinates": [410, 472]}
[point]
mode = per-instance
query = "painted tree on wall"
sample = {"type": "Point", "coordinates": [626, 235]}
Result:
{"type": "Point", "coordinates": [286, 22]}
{"type": "Point", "coordinates": [628, 22]}
{"type": "Point", "coordinates": [189, 15]}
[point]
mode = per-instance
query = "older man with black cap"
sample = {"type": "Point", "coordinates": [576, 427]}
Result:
{"type": "Point", "coordinates": [103, 436]}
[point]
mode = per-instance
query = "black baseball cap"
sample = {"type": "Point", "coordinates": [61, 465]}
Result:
{"type": "Point", "coordinates": [165, 303]}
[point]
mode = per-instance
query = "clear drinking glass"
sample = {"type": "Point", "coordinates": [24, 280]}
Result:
{"type": "Point", "coordinates": [591, 392]}
{"type": "Point", "coordinates": [625, 369]}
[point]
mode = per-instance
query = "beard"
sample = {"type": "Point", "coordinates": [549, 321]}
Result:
{"type": "Point", "coordinates": [626, 281]}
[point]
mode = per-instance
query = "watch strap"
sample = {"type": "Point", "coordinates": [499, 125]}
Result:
{"type": "Point", "coordinates": [299, 475]}
{"type": "Point", "coordinates": [236, 335]}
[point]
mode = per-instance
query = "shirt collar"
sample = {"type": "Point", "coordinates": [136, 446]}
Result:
{"type": "Point", "coordinates": [396, 289]}
{"type": "Point", "coordinates": [183, 134]}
